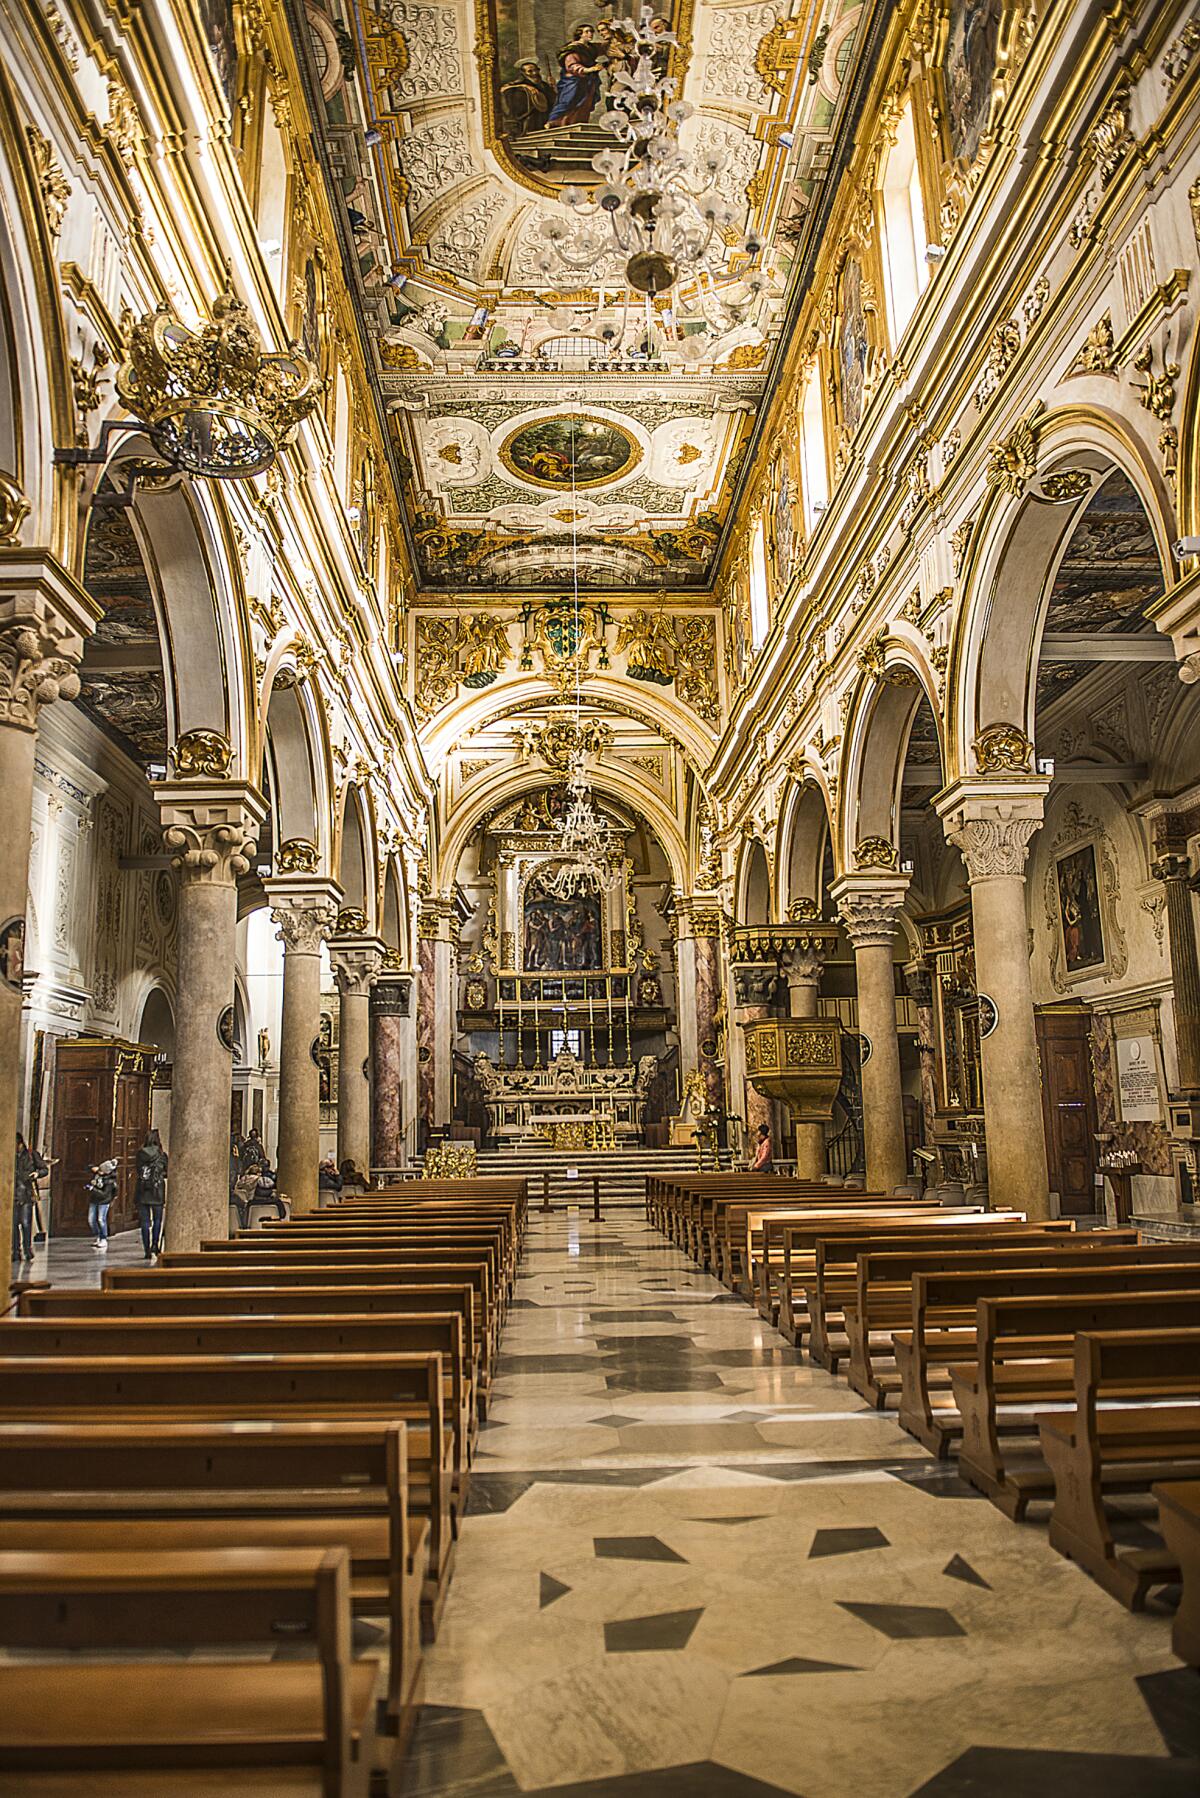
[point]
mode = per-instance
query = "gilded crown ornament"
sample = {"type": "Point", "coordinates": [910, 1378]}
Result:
{"type": "Point", "coordinates": [213, 401]}
{"type": "Point", "coordinates": [201, 755]}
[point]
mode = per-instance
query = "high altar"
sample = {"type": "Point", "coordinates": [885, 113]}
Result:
{"type": "Point", "coordinates": [569, 978]}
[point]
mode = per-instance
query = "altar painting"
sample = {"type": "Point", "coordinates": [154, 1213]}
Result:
{"type": "Point", "coordinates": [1080, 918]}
{"type": "Point", "coordinates": [969, 66]}
{"type": "Point", "coordinates": [563, 935]}
{"type": "Point", "coordinates": [553, 65]}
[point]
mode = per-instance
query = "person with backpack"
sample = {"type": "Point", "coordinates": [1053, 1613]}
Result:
{"type": "Point", "coordinates": [101, 1190]}
{"type": "Point", "coordinates": [151, 1192]}
{"type": "Point", "coordinates": [26, 1170]}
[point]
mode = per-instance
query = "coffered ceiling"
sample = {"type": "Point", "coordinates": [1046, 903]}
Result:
{"type": "Point", "coordinates": [516, 453]}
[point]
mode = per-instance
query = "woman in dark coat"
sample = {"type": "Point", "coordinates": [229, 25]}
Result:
{"type": "Point", "coordinates": [26, 1169]}
{"type": "Point", "coordinates": [151, 1192]}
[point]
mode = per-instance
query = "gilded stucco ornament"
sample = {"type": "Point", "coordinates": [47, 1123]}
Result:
{"type": "Point", "coordinates": [201, 755]}
{"type": "Point", "coordinates": [1012, 460]}
{"type": "Point", "coordinates": [31, 676]}
{"type": "Point", "coordinates": [14, 510]}
{"type": "Point", "coordinates": [1003, 749]}
{"type": "Point", "coordinates": [351, 921]}
{"type": "Point", "coordinates": [1098, 352]}
{"type": "Point", "coordinates": [1065, 485]}
{"type": "Point", "coordinates": [648, 644]}
{"type": "Point", "coordinates": [54, 190]}
{"type": "Point", "coordinates": [875, 852]}
{"type": "Point", "coordinates": [297, 856]}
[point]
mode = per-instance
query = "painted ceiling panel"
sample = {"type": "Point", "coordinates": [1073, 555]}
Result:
{"type": "Point", "coordinates": [447, 133]}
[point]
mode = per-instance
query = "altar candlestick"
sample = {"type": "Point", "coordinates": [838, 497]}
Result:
{"type": "Point", "coordinates": [587, 981]}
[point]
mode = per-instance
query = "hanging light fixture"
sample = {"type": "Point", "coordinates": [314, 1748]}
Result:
{"type": "Point", "coordinates": [658, 207]}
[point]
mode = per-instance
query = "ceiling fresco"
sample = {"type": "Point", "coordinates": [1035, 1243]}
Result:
{"type": "Point", "coordinates": [534, 425]}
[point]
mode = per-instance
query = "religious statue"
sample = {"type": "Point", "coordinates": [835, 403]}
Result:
{"type": "Point", "coordinates": [647, 1068]}
{"type": "Point", "coordinates": [264, 1048]}
{"type": "Point", "coordinates": [649, 643]}
{"type": "Point", "coordinates": [487, 1075]}
{"type": "Point", "coordinates": [483, 642]}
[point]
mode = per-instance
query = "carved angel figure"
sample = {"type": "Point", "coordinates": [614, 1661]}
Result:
{"type": "Point", "coordinates": [649, 643]}
{"type": "Point", "coordinates": [483, 641]}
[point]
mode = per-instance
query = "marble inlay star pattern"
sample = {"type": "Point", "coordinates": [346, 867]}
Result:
{"type": "Point", "coordinates": [742, 1665]}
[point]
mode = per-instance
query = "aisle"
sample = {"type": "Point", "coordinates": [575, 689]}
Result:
{"type": "Point", "coordinates": [696, 1566]}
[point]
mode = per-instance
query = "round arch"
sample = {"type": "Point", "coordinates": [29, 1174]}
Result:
{"type": "Point", "coordinates": [877, 733]}
{"type": "Point", "coordinates": [354, 852]}
{"type": "Point", "coordinates": [608, 779]}
{"type": "Point", "coordinates": [393, 913]}
{"type": "Point", "coordinates": [752, 886]}
{"type": "Point", "coordinates": [295, 753]}
{"type": "Point", "coordinates": [1020, 543]}
{"type": "Point", "coordinates": [804, 829]}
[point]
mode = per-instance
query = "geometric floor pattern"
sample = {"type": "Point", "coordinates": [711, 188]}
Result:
{"type": "Point", "coordinates": [673, 1518]}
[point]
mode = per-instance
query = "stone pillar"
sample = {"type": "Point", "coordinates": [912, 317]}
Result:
{"type": "Point", "coordinates": [1174, 870]}
{"type": "Point", "coordinates": [390, 1006]}
{"type": "Point", "coordinates": [44, 617]}
{"type": "Point", "coordinates": [438, 928]}
{"type": "Point", "coordinates": [802, 966]}
{"type": "Point", "coordinates": [305, 907]}
{"type": "Point", "coordinates": [356, 959]}
{"type": "Point", "coordinates": [698, 993]}
{"type": "Point", "coordinates": [210, 827]}
{"type": "Point", "coordinates": [993, 831]}
{"type": "Point", "coordinates": [870, 910]}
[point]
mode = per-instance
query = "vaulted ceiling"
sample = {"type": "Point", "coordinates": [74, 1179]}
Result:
{"type": "Point", "coordinates": [444, 160]}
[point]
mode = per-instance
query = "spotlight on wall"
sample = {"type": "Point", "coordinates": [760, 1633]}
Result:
{"type": "Point", "coordinates": [1045, 765]}
{"type": "Point", "coordinates": [906, 867]}
{"type": "Point", "coordinates": [935, 252]}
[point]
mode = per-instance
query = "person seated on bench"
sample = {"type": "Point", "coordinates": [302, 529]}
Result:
{"type": "Point", "coordinates": [151, 1192]}
{"type": "Point", "coordinates": [763, 1162]}
{"type": "Point", "coordinates": [352, 1175]}
{"type": "Point", "coordinates": [328, 1178]}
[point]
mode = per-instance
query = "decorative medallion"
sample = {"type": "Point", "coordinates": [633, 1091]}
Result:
{"type": "Point", "coordinates": [201, 755]}
{"type": "Point", "coordinates": [225, 1029]}
{"type": "Point", "coordinates": [12, 953]}
{"type": "Point", "coordinates": [989, 1015]}
{"type": "Point", "coordinates": [566, 453]}
{"type": "Point", "coordinates": [314, 1049]}
{"type": "Point", "coordinates": [1003, 749]}
{"type": "Point", "coordinates": [866, 1049]}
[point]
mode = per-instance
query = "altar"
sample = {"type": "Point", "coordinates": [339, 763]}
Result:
{"type": "Point", "coordinates": [566, 1104]}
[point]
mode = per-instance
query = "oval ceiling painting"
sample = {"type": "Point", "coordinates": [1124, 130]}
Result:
{"type": "Point", "coordinates": [569, 453]}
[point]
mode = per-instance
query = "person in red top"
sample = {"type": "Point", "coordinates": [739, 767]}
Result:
{"type": "Point", "coordinates": [762, 1153]}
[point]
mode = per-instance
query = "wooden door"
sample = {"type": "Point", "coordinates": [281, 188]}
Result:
{"type": "Point", "coordinates": [82, 1107]}
{"type": "Point", "coordinates": [131, 1120]}
{"type": "Point", "coordinates": [1069, 1106]}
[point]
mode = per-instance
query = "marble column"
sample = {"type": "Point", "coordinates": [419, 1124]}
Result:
{"type": "Point", "coordinates": [210, 828]}
{"type": "Point", "coordinates": [437, 1006]}
{"type": "Point", "coordinates": [993, 833]}
{"type": "Point", "coordinates": [356, 959]}
{"type": "Point", "coordinates": [802, 967]}
{"type": "Point", "coordinates": [1174, 870]}
{"type": "Point", "coordinates": [698, 995]}
{"type": "Point", "coordinates": [305, 907]}
{"type": "Point", "coordinates": [426, 1023]}
{"type": "Point", "coordinates": [870, 911]}
{"type": "Point", "coordinates": [918, 980]}
{"type": "Point", "coordinates": [44, 617]}
{"type": "Point", "coordinates": [390, 1005]}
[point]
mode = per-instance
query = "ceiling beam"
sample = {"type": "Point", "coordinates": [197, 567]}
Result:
{"type": "Point", "coordinates": [123, 658]}
{"type": "Point", "coordinates": [1071, 773]}
{"type": "Point", "coordinates": [1105, 646]}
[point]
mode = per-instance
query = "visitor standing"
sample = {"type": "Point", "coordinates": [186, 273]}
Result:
{"type": "Point", "coordinates": [151, 1192]}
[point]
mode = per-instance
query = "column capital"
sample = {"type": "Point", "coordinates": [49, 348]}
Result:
{"type": "Point", "coordinates": [391, 994]}
{"type": "Point", "coordinates": [698, 915]}
{"type": "Point", "coordinates": [991, 823]}
{"type": "Point", "coordinates": [44, 617]}
{"type": "Point", "coordinates": [356, 962]}
{"type": "Point", "coordinates": [305, 908]}
{"type": "Point", "coordinates": [870, 909]}
{"type": "Point", "coordinates": [755, 982]}
{"type": "Point", "coordinates": [210, 827]}
{"type": "Point", "coordinates": [1171, 865]}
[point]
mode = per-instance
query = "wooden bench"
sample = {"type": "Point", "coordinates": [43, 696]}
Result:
{"type": "Point", "coordinates": [944, 1318]}
{"type": "Point", "coordinates": [272, 1250]}
{"type": "Point", "coordinates": [831, 1293]}
{"type": "Point", "coordinates": [305, 1267]}
{"type": "Point", "coordinates": [206, 1388]}
{"type": "Point", "coordinates": [313, 1485]}
{"type": "Point", "coordinates": [738, 1223]}
{"type": "Point", "coordinates": [257, 1337]}
{"type": "Point", "coordinates": [92, 1727]}
{"type": "Point", "coordinates": [766, 1251]}
{"type": "Point", "coordinates": [1179, 1520]}
{"type": "Point", "coordinates": [1135, 1421]}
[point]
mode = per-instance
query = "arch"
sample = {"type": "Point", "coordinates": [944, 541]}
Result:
{"type": "Point", "coordinates": [804, 829]}
{"type": "Point", "coordinates": [607, 778]}
{"type": "Point", "coordinates": [157, 1022]}
{"type": "Point", "coordinates": [752, 888]}
{"type": "Point", "coordinates": [877, 733]}
{"type": "Point", "coordinates": [297, 768]}
{"type": "Point", "coordinates": [393, 913]}
{"type": "Point", "coordinates": [355, 856]}
{"type": "Point", "coordinates": [1020, 543]}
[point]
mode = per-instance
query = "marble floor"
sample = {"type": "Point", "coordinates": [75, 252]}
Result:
{"type": "Point", "coordinates": [695, 1566]}
{"type": "Point", "coordinates": [72, 1261]}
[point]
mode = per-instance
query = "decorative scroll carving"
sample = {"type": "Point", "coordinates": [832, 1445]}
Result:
{"type": "Point", "coordinates": [1097, 356]}
{"type": "Point", "coordinates": [1065, 485]}
{"type": "Point", "coordinates": [53, 187]}
{"type": "Point", "coordinates": [875, 852]}
{"type": "Point", "coordinates": [14, 509]}
{"type": "Point", "coordinates": [201, 755]}
{"type": "Point", "coordinates": [304, 922]}
{"type": "Point", "coordinates": [32, 674]}
{"type": "Point", "coordinates": [1003, 749]}
{"type": "Point", "coordinates": [1012, 460]}
{"type": "Point", "coordinates": [351, 921]}
{"type": "Point", "coordinates": [297, 856]}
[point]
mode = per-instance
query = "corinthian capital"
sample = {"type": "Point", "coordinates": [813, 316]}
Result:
{"type": "Point", "coordinates": [993, 848]}
{"type": "Point", "coordinates": [870, 910]}
{"type": "Point", "coordinates": [305, 910]}
{"type": "Point", "coordinates": [210, 832]}
{"type": "Point", "coordinates": [356, 961]}
{"type": "Point", "coordinates": [44, 617]}
{"type": "Point", "coordinates": [31, 676]}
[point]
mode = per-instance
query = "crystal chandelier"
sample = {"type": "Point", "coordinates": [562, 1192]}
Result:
{"type": "Point", "coordinates": [584, 859]}
{"type": "Point", "coordinates": [663, 209]}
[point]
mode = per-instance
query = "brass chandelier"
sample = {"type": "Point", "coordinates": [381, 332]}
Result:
{"type": "Point", "coordinates": [213, 402]}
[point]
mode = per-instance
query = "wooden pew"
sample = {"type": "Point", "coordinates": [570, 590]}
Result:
{"type": "Point", "coordinates": [766, 1252]}
{"type": "Point", "coordinates": [205, 1388]}
{"type": "Point", "coordinates": [944, 1319]}
{"type": "Point", "coordinates": [831, 1292]}
{"type": "Point", "coordinates": [120, 1727]}
{"type": "Point", "coordinates": [303, 1267]}
{"type": "Point", "coordinates": [151, 1299]}
{"type": "Point", "coordinates": [1132, 1445]}
{"type": "Point", "coordinates": [738, 1224]}
{"type": "Point", "coordinates": [265, 1485]}
{"type": "Point", "coordinates": [346, 1252]}
{"type": "Point", "coordinates": [238, 1337]}
{"type": "Point", "coordinates": [1179, 1520]}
